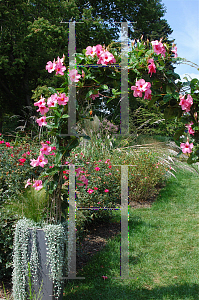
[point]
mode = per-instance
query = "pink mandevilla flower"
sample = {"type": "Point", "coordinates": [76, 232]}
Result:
{"type": "Point", "coordinates": [106, 190]}
{"type": "Point", "coordinates": [158, 47]}
{"type": "Point", "coordinates": [105, 58]}
{"type": "Point", "coordinates": [62, 99]}
{"type": "Point", "coordinates": [42, 121]}
{"type": "Point", "coordinates": [28, 183]}
{"type": "Point", "coordinates": [186, 103]}
{"type": "Point", "coordinates": [97, 168]}
{"type": "Point", "coordinates": [41, 102]}
{"type": "Point", "coordinates": [151, 66]}
{"type": "Point", "coordinates": [45, 149]}
{"type": "Point", "coordinates": [42, 160]}
{"type": "Point", "coordinates": [60, 68]}
{"type": "Point", "coordinates": [74, 76]}
{"type": "Point", "coordinates": [38, 185]}
{"type": "Point", "coordinates": [90, 51]}
{"type": "Point", "coordinates": [50, 67]}
{"type": "Point", "coordinates": [186, 147]}
{"type": "Point", "coordinates": [52, 100]}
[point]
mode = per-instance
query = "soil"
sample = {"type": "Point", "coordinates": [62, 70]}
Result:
{"type": "Point", "coordinates": [95, 239]}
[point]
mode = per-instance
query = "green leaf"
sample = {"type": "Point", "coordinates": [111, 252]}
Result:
{"type": "Point", "coordinates": [65, 116]}
{"type": "Point", "coordinates": [52, 90]}
{"type": "Point", "coordinates": [105, 87]}
{"type": "Point", "coordinates": [152, 101]}
{"type": "Point", "coordinates": [58, 157]}
{"type": "Point", "coordinates": [167, 98]}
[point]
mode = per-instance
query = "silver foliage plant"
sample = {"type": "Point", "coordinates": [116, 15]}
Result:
{"type": "Point", "coordinates": [56, 240]}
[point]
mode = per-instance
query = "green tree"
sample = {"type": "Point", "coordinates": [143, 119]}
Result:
{"type": "Point", "coordinates": [34, 32]}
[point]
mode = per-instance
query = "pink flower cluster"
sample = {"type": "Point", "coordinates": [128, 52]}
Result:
{"type": "Point", "coordinates": [104, 56]}
{"type": "Point", "coordinates": [158, 47]}
{"type": "Point", "coordinates": [61, 99]}
{"type": "Point", "coordinates": [37, 184]}
{"type": "Point", "coordinates": [56, 66]}
{"type": "Point", "coordinates": [151, 66]}
{"type": "Point", "coordinates": [186, 103]}
{"type": "Point", "coordinates": [140, 87]}
{"type": "Point", "coordinates": [41, 160]}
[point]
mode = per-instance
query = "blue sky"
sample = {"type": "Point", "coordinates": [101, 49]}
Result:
{"type": "Point", "coordinates": [183, 18]}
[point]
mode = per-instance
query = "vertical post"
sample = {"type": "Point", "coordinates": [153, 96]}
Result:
{"type": "Point", "coordinates": [72, 87]}
{"type": "Point", "coordinates": [124, 108]}
{"type": "Point", "coordinates": [71, 227]}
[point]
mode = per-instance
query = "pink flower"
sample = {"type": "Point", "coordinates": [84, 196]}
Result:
{"type": "Point", "coordinates": [62, 99]}
{"type": "Point", "coordinates": [45, 149]}
{"type": "Point", "coordinates": [95, 188]}
{"type": "Point", "coordinates": [106, 191]}
{"type": "Point", "coordinates": [53, 148]}
{"type": "Point", "coordinates": [190, 130]}
{"type": "Point", "coordinates": [41, 160]}
{"type": "Point", "coordinates": [42, 121]}
{"type": "Point", "coordinates": [74, 76]}
{"type": "Point", "coordinates": [99, 50]}
{"type": "Point", "coordinates": [186, 147]}
{"type": "Point", "coordinates": [34, 162]}
{"type": "Point", "coordinates": [52, 100]}
{"type": "Point", "coordinates": [90, 191]}
{"type": "Point", "coordinates": [28, 183]}
{"type": "Point", "coordinates": [7, 144]}
{"type": "Point", "coordinates": [90, 51]}
{"type": "Point", "coordinates": [12, 155]}
{"type": "Point", "coordinates": [147, 94]}
{"type": "Point", "coordinates": [47, 142]}
{"type": "Point", "coordinates": [93, 96]}
{"type": "Point", "coordinates": [1, 142]}
{"type": "Point", "coordinates": [186, 103]}
{"type": "Point", "coordinates": [38, 185]}
{"type": "Point", "coordinates": [50, 67]}
{"type": "Point", "coordinates": [151, 67]}
{"type": "Point", "coordinates": [41, 102]}
{"type": "Point", "coordinates": [78, 171]}
{"type": "Point", "coordinates": [105, 277]}
{"type": "Point", "coordinates": [97, 168]}
{"type": "Point", "coordinates": [43, 110]}
{"type": "Point", "coordinates": [105, 58]}
{"type": "Point", "coordinates": [158, 47]}
{"type": "Point", "coordinates": [60, 68]}
{"type": "Point", "coordinates": [140, 86]}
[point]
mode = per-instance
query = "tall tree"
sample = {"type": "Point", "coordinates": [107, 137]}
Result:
{"type": "Point", "coordinates": [33, 32]}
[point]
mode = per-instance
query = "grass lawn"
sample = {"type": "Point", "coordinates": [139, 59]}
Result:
{"type": "Point", "coordinates": [163, 251]}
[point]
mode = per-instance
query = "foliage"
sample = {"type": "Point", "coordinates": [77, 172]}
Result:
{"type": "Point", "coordinates": [30, 204]}
{"type": "Point", "coordinates": [55, 236]}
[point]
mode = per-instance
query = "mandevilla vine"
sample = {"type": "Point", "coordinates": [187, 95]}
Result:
{"type": "Point", "coordinates": [149, 72]}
